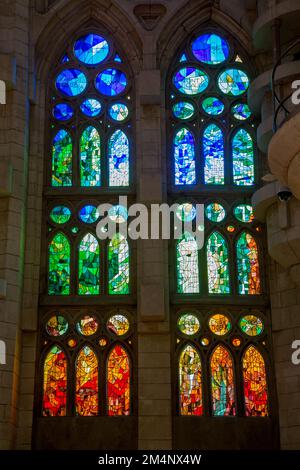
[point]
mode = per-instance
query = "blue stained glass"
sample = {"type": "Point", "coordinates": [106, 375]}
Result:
{"type": "Point", "coordinates": [91, 107]}
{"type": "Point", "coordinates": [91, 49]}
{"type": "Point", "coordinates": [89, 214]}
{"type": "Point", "coordinates": [111, 82]}
{"type": "Point", "coordinates": [190, 80]}
{"type": "Point", "coordinates": [213, 106]}
{"type": "Point", "coordinates": [63, 111]}
{"type": "Point", "coordinates": [210, 49]}
{"type": "Point", "coordinates": [118, 111]}
{"type": "Point", "coordinates": [241, 111]}
{"type": "Point", "coordinates": [118, 154]}
{"type": "Point", "coordinates": [213, 151]}
{"type": "Point", "coordinates": [242, 158]}
{"type": "Point", "coordinates": [117, 58]}
{"type": "Point", "coordinates": [183, 58]}
{"type": "Point", "coordinates": [183, 110]}
{"type": "Point", "coordinates": [184, 157]}
{"type": "Point", "coordinates": [65, 59]}
{"type": "Point", "coordinates": [71, 82]}
{"type": "Point", "coordinates": [233, 82]}
{"type": "Point", "coordinates": [118, 214]}
{"type": "Point", "coordinates": [186, 212]}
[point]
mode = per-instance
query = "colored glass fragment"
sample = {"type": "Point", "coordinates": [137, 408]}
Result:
{"type": "Point", "coordinates": [215, 212]}
{"type": "Point", "coordinates": [59, 265]}
{"type": "Point", "coordinates": [118, 214]}
{"type": "Point", "coordinates": [118, 154]}
{"type": "Point", "coordinates": [89, 266]}
{"type": "Point", "coordinates": [213, 106]}
{"type": "Point", "coordinates": [241, 111]}
{"type": "Point", "coordinates": [118, 324]}
{"type": "Point", "coordinates": [62, 159]}
{"type": "Point", "coordinates": [190, 382]}
{"type": "Point", "coordinates": [217, 264]}
{"type": "Point", "coordinates": [255, 383]}
{"type": "Point", "coordinates": [86, 397]}
{"type": "Point", "coordinates": [233, 82]}
{"type": "Point", "coordinates": [62, 111]}
{"type": "Point", "coordinates": [210, 49]}
{"type": "Point", "coordinates": [55, 383]}
{"type": "Point", "coordinates": [213, 151]}
{"type": "Point", "coordinates": [188, 324]}
{"type": "Point", "coordinates": [247, 265]}
{"type": "Point", "coordinates": [222, 383]}
{"type": "Point", "coordinates": [251, 325]}
{"type": "Point", "coordinates": [60, 214]}
{"type": "Point", "coordinates": [89, 214]}
{"type": "Point", "coordinates": [71, 82]}
{"type": "Point", "coordinates": [118, 112]}
{"type": "Point", "coordinates": [118, 265]}
{"type": "Point", "coordinates": [118, 382]}
{"type": "Point", "coordinates": [87, 325]}
{"type": "Point", "coordinates": [91, 49]}
{"type": "Point", "coordinates": [190, 80]}
{"type": "Point", "coordinates": [90, 158]}
{"type": "Point", "coordinates": [187, 265]}
{"type": "Point", "coordinates": [57, 326]}
{"type": "Point", "coordinates": [91, 107]}
{"type": "Point", "coordinates": [183, 110]}
{"type": "Point", "coordinates": [186, 212]}
{"type": "Point", "coordinates": [244, 213]}
{"type": "Point", "coordinates": [219, 324]}
{"type": "Point", "coordinates": [111, 82]}
{"type": "Point", "coordinates": [242, 158]}
{"type": "Point", "coordinates": [184, 157]}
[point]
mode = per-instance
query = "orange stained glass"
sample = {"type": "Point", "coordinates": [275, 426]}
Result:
{"type": "Point", "coordinates": [222, 383]}
{"type": "Point", "coordinates": [190, 382]}
{"type": "Point", "coordinates": [55, 383]}
{"type": "Point", "coordinates": [255, 383]}
{"type": "Point", "coordinates": [248, 265]}
{"type": "Point", "coordinates": [118, 382]}
{"type": "Point", "coordinates": [86, 383]}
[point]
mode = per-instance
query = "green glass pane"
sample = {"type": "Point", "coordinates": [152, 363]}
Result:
{"type": "Point", "coordinates": [57, 325]}
{"type": "Point", "coordinates": [251, 325]}
{"type": "Point", "coordinates": [217, 264]}
{"type": "Point", "coordinates": [187, 265]}
{"type": "Point", "coordinates": [59, 265]}
{"type": "Point", "coordinates": [242, 159]}
{"type": "Point", "coordinates": [188, 324]}
{"type": "Point", "coordinates": [60, 214]}
{"type": "Point", "coordinates": [186, 212]}
{"type": "Point", "coordinates": [62, 159]}
{"type": "Point", "coordinates": [213, 106]}
{"type": "Point", "coordinates": [90, 158]}
{"type": "Point", "coordinates": [89, 266]}
{"type": "Point", "coordinates": [183, 110]}
{"type": "Point", "coordinates": [118, 265]}
{"type": "Point", "coordinates": [247, 265]}
{"type": "Point", "coordinates": [215, 212]}
{"type": "Point", "coordinates": [244, 213]}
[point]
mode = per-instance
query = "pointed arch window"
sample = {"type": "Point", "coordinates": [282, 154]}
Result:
{"type": "Point", "coordinates": [89, 266]}
{"type": "Point", "coordinates": [190, 382]}
{"type": "Point", "coordinates": [55, 383]}
{"type": "Point", "coordinates": [187, 265]}
{"type": "Point", "coordinates": [118, 265]}
{"type": "Point", "coordinates": [86, 383]}
{"type": "Point", "coordinates": [184, 157]}
{"type": "Point", "coordinates": [248, 264]}
{"type": "Point", "coordinates": [222, 382]}
{"type": "Point", "coordinates": [118, 382]}
{"type": "Point", "coordinates": [217, 264]}
{"type": "Point", "coordinates": [255, 383]}
{"type": "Point", "coordinates": [213, 153]}
{"type": "Point", "coordinates": [90, 157]}
{"type": "Point", "coordinates": [59, 265]}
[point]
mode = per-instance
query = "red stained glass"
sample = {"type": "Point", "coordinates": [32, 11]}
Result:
{"type": "Point", "coordinates": [255, 383]}
{"type": "Point", "coordinates": [86, 383]}
{"type": "Point", "coordinates": [118, 382]}
{"type": "Point", "coordinates": [222, 383]}
{"type": "Point", "coordinates": [190, 382]}
{"type": "Point", "coordinates": [55, 383]}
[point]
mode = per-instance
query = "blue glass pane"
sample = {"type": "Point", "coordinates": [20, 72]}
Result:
{"type": "Point", "coordinates": [243, 159]}
{"type": "Point", "coordinates": [118, 153]}
{"type": "Point", "coordinates": [117, 58]}
{"type": "Point", "coordinates": [62, 111]}
{"type": "Point", "coordinates": [233, 82]}
{"type": "Point", "coordinates": [213, 106]}
{"type": "Point", "coordinates": [65, 59]}
{"type": "Point", "coordinates": [118, 112]}
{"type": "Point", "coordinates": [183, 110]}
{"type": "Point", "coordinates": [91, 107]}
{"type": "Point", "coordinates": [111, 82]}
{"type": "Point", "coordinates": [71, 82]}
{"type": "Point", "coordinates": [241, 111]}
{"type": "Point", "coordinates": [118, 214]}
{"type": "Point", "coordinates": [91, 49]}
{"type": "Point", "coordinates": [183, 58]}
{"type": "Point", "coordinates": [190, 80]}
{"type": "Point", "coordinates": [210, 49]}
{"type": "Point", "coordinates": [184, 157]}
{"type": "Point", "coordinates": [89, 214]}
{"type": "Point", "coordinates": [213, 151]}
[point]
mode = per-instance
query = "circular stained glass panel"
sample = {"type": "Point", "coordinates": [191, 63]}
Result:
{"type": "Point", "coordinates": [89, 214]}
{"type": "Point", "coordinates": [91, 107]}
{"type": "Point", "coordinates": [91, 49]}
{"type": "Point", "coordinates": [215, 212]}
{"type": "Point", "coordinates": [186, 212]}
{"type": "Point", "coordinates": [118, 324]}
{"type": "Point", "coordinates": [219, 324]}
{"type": "Point", "coordinates": [244, 213]}
{"type": "Point", "coordinates": [87, 325]}
{"type": "Point", "coordinates": [233, 82]}
{"type": "Point", "coordinates": [118, 214]}
{"type": "Point", "coordinates": [118, 112]}
{"type": "Point", "coordinates": [62, 111]}
{"type": "Point", "coordinates": [71, 82]}
{"type": "Point", "coordinates": [188, 324]}
{"type": "Point", "coordinates": [241, 111]}
{"type": "Point", "coordinates": [190, 80]}
{"type": "Point", "coordinates": [57, 325]}
{"type": "Point", "coordinates": [213, 106]}
{"type": "Point", "coordinates": [183, 110]}
{"type": "Point", "coordinates": [210, 49]}
{"type": "Point", "coordinates": [251, 325]}
{"type": "Point", "coordinates": [111, 82]}
{"type": "Point", "coordinates": [60, 214]}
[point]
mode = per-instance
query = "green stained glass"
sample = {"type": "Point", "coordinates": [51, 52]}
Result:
{"type": "Point", "coordinates": [62, 159]}
{"type": "Point", "coordinates": [233, 82]}
{"type": "Point", "coordinates": [118, 265]}
{"type": "Point", "coordinates": [241, 111]}
{"type": "Point", "coordinates": [187, 265]}
{"type": "Point", "coordinates": [244, 213]}
{"type": "Point", "coordinates": [215, 212]}
{"type": "Point", "coordinates": [242, 159]}
{"type": "Point", "coordinates": [89, 266]}
{"type": "Point", "coordinates": [90, 158]}
{"type": "Point", "coordinates": [247, 265]}
{"type": "Point", "coordinates": [186, 212]}
{"type": "Point", "coordinates": [217, 264]}
{"type": "Point", "coordinates": [60, 214]}
{"type": "Point", "coordinates": [213, 106]}
{"type": "Point", "coordinates": [59, 265]}
{"type": "Point", "coordinates": [188, 324]}
{"type": "Point", "coordinates": [183, 110]}
{"type": "Point", "coordinates": [251, 325]}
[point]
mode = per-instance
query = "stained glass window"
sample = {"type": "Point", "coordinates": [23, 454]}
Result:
{"type": "Point", "coordinates": [89, 266]}
{"type": "Point", "coordinates": [222, 382]}
{"type": "Point", "coordinates": [255, 383]}
{"type": "Point", "coordinates": [242, 158]}
{"type": "Point", "coordinates": [90, 157]}
{"type": "Point", "coordinates": [118, 151]}
{"type": "Point", "coordinates": [247, 265]}
{"type": "Point", "coordinates": [59, 265]}
{"type": "Point", "coordinates": [213, 151]}
{"type": "Point", "coordinates": [190, 80]}
{"type": "Point", "coordinates": [55, 383]}
{"type": "Point", "coordinates": [187, 265]}
{"type": "Point", "coordinates": [86, 383]}
{"type": "Point", "coordinates": [184, 157]}
{"type": "Point", "coordinates": [62, 159]}
{"type": "Point", "coordinates": [118, 382]}
{"type": "Point", "coordinates": [190, 382]}
{"type": "Point", "coordinates": [91, 49]}
{"type": "Point", "coordinates": [118, 265]}
{"type": "Point", "coordinates": [217, 264]}
{"type": "Point", "coordinates": [183, 110]}
{"type": "Point", "coordinates": [210, 49]}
